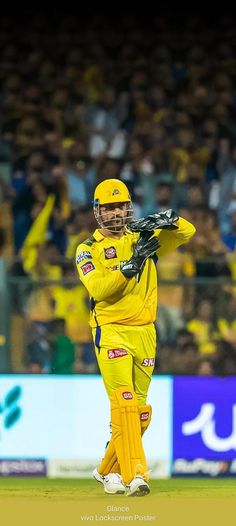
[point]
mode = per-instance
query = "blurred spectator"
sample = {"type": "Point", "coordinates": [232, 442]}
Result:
{"type": "Point", "coordinates": [226, 164]}
{"type": "Point", "coordinates": [225, 363]}
{"type": "Point", "coordinates": [6, 223]}
{"type": "Point", "coordinates": [205, 367]}
{"type": "Point", "coordinates": [183, 338]}
{"type": "Point", "coordinates": [63, 349]}
{"type": "Point", "coordinates": [80, 179]}
{"type": "Point", "coordinates": [230, 242]}
{"type": "Point", "coordinates": [80, 226]}
{"type": "Point", "coordinates": [38, 351]}
{"type": "Point", "coordinates": [162, 199]}
{"type": "Point", "coordinates": [179, 361]}
{"type": "Point", "coordinates": [136, 169]}
{"type": "Point", "coordinates": [39, 304]}
{"type": "Point", "coordinates": [230, 238]}
{"type": "Point", "coordinates": [208, 249]}
{"type": "Point", "coordinates": [227, 322]}
{"type": "Point", "coordinates": [71, 303]}
{"type": "Point", "coordinates": [176, 299]}
{"type": "Point", "coordinates": [203, 327]}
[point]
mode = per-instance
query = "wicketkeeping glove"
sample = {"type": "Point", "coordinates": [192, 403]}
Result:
{"type": "Point", "coordinates": [163, 220]}
{"type": "Point", "coordinates": [143, 249]}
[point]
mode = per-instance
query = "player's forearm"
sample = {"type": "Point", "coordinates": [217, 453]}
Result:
{"type": "Point", "coordinates": [185, 229]}
{"type": "Point", "coordinates": [102, 287]}
{"type": "Point", "coordinates": [171, 239]}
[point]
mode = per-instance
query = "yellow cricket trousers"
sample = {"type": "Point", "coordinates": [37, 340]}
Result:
{"type": "Point", "coordinates": [126, 356]}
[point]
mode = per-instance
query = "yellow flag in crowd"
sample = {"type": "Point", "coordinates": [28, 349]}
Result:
{"type": "Point", "coordinates": [36, 235]}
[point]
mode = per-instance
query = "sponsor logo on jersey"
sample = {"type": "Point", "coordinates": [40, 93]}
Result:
{"type": "Point", "coordinates": [118, 266]}
{"type": "Point", "coordinates": [116, 353]}
{"type": "Point", "coordinates": [144, 416]}
{"type": "Point", "coordinates": [87, 267]}
{"type": "Point", "coordinates": [115, 267]}
{"type": "Point", "coordinates": [148, 362]}
{"type": "Point", "coordinates": [82, 256]}
{"type": "Point", "coordinates": [110, 253]}
{"type": "Point", "coordinates": [127, 395]}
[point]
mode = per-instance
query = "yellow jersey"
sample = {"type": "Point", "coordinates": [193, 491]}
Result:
{"type": "Point", "coordinates": [71, 304]}
{"type": "Point", "coordinates": [113, 297]}
{"type": "Point", "coordinates": [205, 335]}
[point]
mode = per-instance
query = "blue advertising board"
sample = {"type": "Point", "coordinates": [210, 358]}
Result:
{"type": "Point", "coordinates": [204, 425]}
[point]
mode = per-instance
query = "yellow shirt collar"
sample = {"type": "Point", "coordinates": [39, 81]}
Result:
{"type": "Point", "coordinates": [98, 236]}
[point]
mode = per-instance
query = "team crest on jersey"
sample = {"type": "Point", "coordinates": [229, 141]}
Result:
{"type": "Point", "coordinates": [127, 395]}
{"type": "Point", "coordinates": [87, 267]}
{"type": "Point", "coordinates": [82, 256]}
{"type": "Point", "coordinates": [110, 253]}
{"type": "Point", "coordinates": [116, 353]}
{"type": "Point", "coordinates": [148, 362]}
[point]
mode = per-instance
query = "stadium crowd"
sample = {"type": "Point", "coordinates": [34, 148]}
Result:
{"type": "Point", "coordinates": [156, 109]}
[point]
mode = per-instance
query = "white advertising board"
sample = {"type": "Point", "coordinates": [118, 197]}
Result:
{"type": "Point", "coordinates": [65, 420]}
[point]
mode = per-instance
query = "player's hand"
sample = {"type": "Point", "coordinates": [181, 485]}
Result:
{"type": "Point", "coordinates": [145, 248]}
{"type": "Point", "coordinates": [163, 220]}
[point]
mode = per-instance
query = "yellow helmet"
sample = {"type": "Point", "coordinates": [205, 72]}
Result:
{"type": "Point", "coordinates": [111, 191]}
{"type": "Point", "coordinates": [108, 192]}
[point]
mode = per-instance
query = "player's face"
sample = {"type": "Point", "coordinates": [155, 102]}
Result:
{"type": "Point", "coordinates": [114, 215]}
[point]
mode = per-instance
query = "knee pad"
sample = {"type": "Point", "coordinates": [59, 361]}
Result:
{"type": "Point", "coordinates": [145, 415]}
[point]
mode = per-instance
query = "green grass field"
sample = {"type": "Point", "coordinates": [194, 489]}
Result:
{"type": "Point", "coordinates": [72, 502]}
{"type": "Point", "coordinates": [74, 489]}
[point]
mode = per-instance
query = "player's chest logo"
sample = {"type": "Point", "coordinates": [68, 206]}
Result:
{"type": "Point", "coordinates": [110, 253]}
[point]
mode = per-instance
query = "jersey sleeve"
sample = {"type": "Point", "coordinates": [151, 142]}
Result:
{"type": "Point", "coordinates": [100, 283]}
{"type": "Point", "coordinates": [171, 239]}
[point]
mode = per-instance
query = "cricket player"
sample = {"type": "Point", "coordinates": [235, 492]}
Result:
{"type": "Point", "coordinates": [117, 265]}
